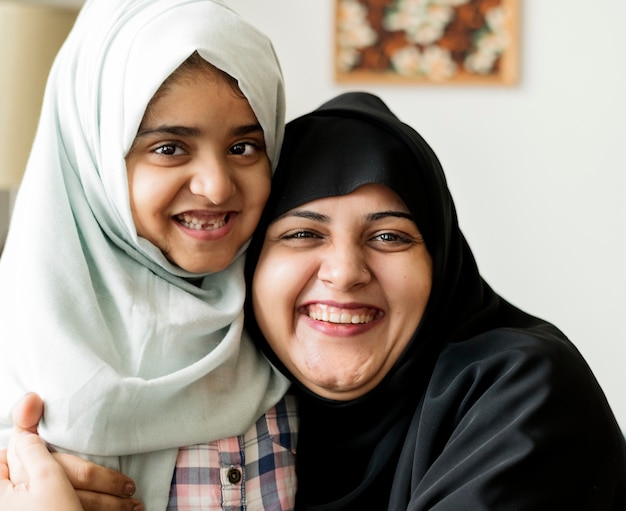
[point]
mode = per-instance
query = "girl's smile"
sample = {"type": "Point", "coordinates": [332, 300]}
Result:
{"type": "Point", "coordinates": [206, 226]}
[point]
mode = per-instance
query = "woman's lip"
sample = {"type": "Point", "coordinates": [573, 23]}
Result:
{"type": "Point", "coordinates": [340, 319]}
{"type": "Point", "coordinates": [339, 305]}
{"type": "Point", "coordinates": [339, 329]}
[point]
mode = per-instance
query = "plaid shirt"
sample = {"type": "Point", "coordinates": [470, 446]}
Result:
{"type": "Point", "coordinates": [252, 472]}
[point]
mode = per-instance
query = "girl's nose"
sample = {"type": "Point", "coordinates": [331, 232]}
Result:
{"type": "Point", "coordinates": [212, 178]}
{"type": "Point", "coordinates": [344, 267]}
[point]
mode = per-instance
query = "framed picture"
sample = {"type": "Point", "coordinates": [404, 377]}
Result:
{"type": "Point", "coordinates": [428, 42]}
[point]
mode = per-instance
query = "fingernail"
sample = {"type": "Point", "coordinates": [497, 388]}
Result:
{"type": "Point", "coordinates": [129, 490]}
{"type": "Point", "coordinates": [138, 507]}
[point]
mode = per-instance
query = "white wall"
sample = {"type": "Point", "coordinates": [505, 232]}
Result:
{"type": "Point", "coordinates": [538, 171]}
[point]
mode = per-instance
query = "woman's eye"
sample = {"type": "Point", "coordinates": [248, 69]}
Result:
{"type": "Point", "coordinates": [244, 149]}
{"type": "Point", "coordinates": [169, 150]}
{"type": "Point", "coordinates": [390, 237]}
{"type": "Point", "coordinates": [297, 235]}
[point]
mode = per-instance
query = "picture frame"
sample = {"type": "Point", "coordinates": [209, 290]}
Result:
{"type": "Point", "coordinates": [427, 42]}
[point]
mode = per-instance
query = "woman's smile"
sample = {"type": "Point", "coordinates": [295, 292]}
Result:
{"type": "Point", "coordinates": [353, 314]}
{"type": "Point", "coordinates": [340, 321]}
{"type": "Point", "coordinates": [340, 288]}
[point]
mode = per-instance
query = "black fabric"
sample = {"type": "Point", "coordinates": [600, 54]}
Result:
{"type": "Point", "coordinates": [488, 408]}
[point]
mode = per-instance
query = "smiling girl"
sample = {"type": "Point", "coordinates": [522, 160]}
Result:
{"type": "Point", "coordinates": [121, 284]}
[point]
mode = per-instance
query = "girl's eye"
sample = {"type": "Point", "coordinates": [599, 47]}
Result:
{"type": "Point", "coordinates": [169, 150]}
{"type": "Point", "coordinates": [244, 149]}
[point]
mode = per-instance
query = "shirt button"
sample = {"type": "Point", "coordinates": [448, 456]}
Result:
{"type": "Point", "coordinates": [234, 475]}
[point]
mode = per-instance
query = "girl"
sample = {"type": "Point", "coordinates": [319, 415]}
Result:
{"type": "Point", "coordinates": [121, 285]}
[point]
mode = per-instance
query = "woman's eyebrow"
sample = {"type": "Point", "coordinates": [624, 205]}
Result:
{"type": "Point", "coordinates": [385, 214]}
{"type": "Point", "coordinates": [309, 215]}
{"type": "Point", "coordinates": [371, 217]}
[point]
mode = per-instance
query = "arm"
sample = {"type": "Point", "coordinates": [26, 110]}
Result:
{"type": "Point", "coordinates": [510, 422]}
{"type": "Point", "coordinates": [98, 488]}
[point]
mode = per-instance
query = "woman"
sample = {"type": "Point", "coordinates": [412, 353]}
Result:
{"type": "Point", "coordinates": [418, 386]}
{"type": "Point", "coordinates": [463, 401]}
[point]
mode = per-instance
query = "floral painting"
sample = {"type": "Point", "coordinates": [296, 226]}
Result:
{"type": "Point", "coordinates": [427, 41]}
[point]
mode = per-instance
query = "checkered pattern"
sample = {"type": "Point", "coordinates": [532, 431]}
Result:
{"type": "Point", "coordinates": [264, 458]}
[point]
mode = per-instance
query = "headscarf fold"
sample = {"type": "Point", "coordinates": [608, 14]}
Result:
{"type": "Point", "coordinates": [132, 359]}
{"type": "Point", "coordinates": [481, 391]}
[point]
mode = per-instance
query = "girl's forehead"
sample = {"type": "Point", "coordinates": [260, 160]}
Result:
{"type": "Point", "coordinates": [183, 95]}
{"type": "Point", "coordinates": [191, 70]}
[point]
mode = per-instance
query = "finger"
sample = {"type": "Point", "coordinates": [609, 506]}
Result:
{"type": "Point", "coordinates": [46, 476]}
{"type": "Point", "coordinates": [27, 413]}
{"type": "Point", "coordinates": [4, 466]}
{"type": "Point", "coordinates": [85, 475]}
{"type": "Point", "coordinates": [100, 502]}
{"type": "Point", "coordinates": [35, 458]}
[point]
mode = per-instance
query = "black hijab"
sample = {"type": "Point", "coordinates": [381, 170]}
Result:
{"type": "Point", "coordinates": [374, 452]}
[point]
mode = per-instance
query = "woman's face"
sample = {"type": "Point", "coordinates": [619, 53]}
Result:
{"type": "Point", "coordinates": [340, 288]}
{"type": "Point", "coordinates": [198, 172]}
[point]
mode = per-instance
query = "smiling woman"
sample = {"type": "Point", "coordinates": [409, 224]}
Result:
{"type": "Point", "coordinates": [340, 286]}
{"type": "Point", "coordinates": [426, 388]}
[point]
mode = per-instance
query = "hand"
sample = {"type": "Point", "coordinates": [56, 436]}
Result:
{"type": "Point", "coordinates": [98, 488]}
{"type": "Point", "coordinates": [26, 416]}
{"type": "Point", "coordinates": [48, 488]}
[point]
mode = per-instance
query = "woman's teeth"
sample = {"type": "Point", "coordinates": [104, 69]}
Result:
{"type": "Point", "coordinates": [341, 316]}
{"type": "Point", "coordinates": [206, 223]}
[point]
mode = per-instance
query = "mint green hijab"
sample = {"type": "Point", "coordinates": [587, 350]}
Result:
{"type": "Point", "coordinates": [131, 359]}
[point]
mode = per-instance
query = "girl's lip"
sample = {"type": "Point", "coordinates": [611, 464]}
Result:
{"type": "Point", "coordinates": [206, 226]}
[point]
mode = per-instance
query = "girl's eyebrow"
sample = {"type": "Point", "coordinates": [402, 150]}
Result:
{"type": "Point", "coordinates": [180, 131]}
{"type": "Point", "coordinates": [186, 131]}
{"type": "Point", "coordinates": [247, 129]}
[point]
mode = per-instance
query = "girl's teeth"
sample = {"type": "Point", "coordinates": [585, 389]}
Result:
{"type": "Point", "coordinates": [191, 222]}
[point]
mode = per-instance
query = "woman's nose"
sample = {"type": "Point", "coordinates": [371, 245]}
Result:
{"type": "Point", "coordinates": [212, 178]}
{"type": "Point", "coordinates": [344, 267]}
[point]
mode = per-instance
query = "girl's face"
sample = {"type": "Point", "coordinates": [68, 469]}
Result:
{"type": "Point", "coordinates": [340, 288]}
{"type": "Point", "coordinates": [198, 172]}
